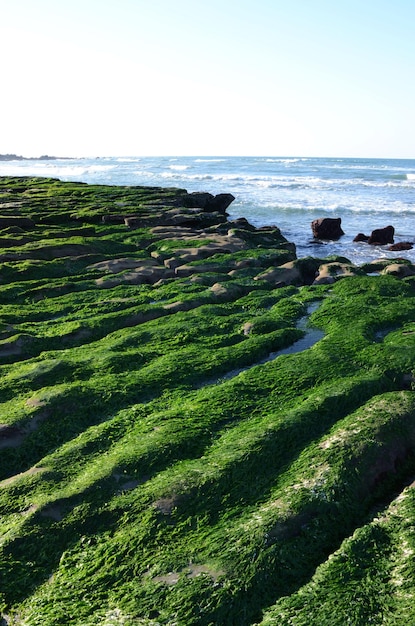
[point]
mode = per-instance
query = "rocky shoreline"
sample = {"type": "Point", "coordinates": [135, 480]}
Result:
{"type": "Point", "coordinates": [175, 447]}
{"type": "Point", "coordinates": [18, 157]}
{"type": "Point", "coordinates": [209, 242]}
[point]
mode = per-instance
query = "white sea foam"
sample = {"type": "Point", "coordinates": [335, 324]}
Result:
{"type": "Point", "coordinates": [49, 170]}
{"type": "Point", "coordinates": [173, 176]}
{"type": "Point", "coordinates": [143, 174]}
{"type": "Point", "coordinates": [127, 159]}
{"type": "Point", "coordinates": [191, 177]}
{"type": "Point", "coordinates": [178, 172]}
{"type": "Point", "coordinates": [284, 160]}
{"type": "Point", "coordinates": [288, 192]}
{"type": "Point", "coordinates": [210, 160]}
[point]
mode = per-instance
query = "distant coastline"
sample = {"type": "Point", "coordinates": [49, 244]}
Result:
{"type": "Point", "coordinates": [16, 157]}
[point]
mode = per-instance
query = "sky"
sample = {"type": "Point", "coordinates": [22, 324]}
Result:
{"type": "Point", "coordinates": [329, 78]}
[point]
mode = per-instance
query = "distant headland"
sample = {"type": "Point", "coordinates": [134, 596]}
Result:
{"type": "Point", "coordinates": [16, 157]}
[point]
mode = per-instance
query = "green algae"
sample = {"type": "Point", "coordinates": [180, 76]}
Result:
{"type": "Point", "coordinates": [156, 467]}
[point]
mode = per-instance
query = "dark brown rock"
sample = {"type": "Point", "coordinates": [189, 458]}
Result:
{"type": "Point", "coordinates": [206, 201]}
{"type": "Point", "coordinates": [242, 223]}
{"type": "Point", "coordinates": [196, 200]}
{"type": "Point", "coordinates": [220, 202]}
{"type": "Point", "coordinates": [381, 236]}
{"type": "Point", "coordinates": [192, 217]}
{"type": "Point", "coordinates": [198, 219]}
{"type": "Point", "coordinates": [327, 228]}
{"type": "Point", "coordinates": [401, 245]}
{"type": "Point", "coordinates": [361, 237]}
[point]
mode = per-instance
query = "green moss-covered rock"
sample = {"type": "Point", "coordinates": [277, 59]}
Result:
{"type": "Point", "coordinates": [192, 430]}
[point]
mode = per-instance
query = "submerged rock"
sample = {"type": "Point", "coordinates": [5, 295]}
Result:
{"type": "Point", "coordinates": [401, 245]}
{"type": "Point", "coordinates": [361, 237]}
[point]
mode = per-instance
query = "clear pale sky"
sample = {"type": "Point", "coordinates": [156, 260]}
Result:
{"type": "Point", "coordinates": [208, 77]}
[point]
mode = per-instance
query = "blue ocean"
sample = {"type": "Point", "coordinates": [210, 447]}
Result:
{"type": "Point", "coordinates": [287, 192]}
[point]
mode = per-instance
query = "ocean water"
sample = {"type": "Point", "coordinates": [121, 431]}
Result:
{"type": "Point", "coordinates": [286, 192]}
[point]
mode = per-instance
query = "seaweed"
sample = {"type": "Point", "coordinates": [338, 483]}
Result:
{"type": "Point", "coordinates": [170, 453]}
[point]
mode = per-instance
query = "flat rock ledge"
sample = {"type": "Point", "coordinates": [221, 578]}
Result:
{"type": "Point", "coordinates": [178, 235]}
{"type": "Point", "coordinates": [224, 249]}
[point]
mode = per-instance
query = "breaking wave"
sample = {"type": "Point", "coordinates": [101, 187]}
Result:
{"type": "Point", "coordinates": [15, 168]}
{"type": "Point", "coordinates": [285, 191]}
{"type": "Point", "coordinates": [275, 182]}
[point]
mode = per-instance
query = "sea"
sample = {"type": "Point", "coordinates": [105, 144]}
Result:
{"type": "Point", "coordinates": [288, 192]}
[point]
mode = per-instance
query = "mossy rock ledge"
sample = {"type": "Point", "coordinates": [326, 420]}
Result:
{"type": "Point", "coordinates": [196, 426]}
